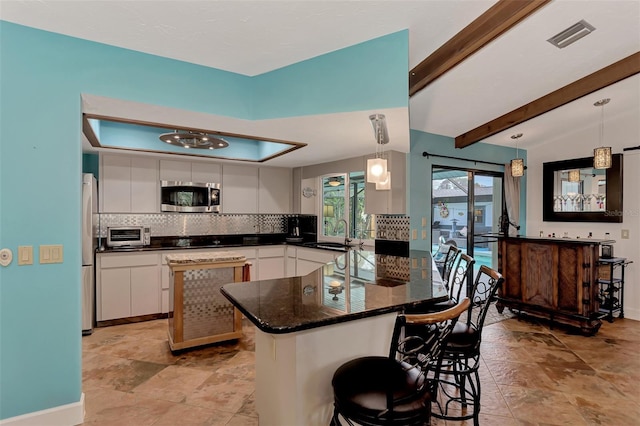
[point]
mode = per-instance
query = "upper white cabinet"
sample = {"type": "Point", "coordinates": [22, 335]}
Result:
{"type": "Point", "coordinates": [393, 201]}
{"type": "Point", "coordinates": [239, 189]}
{"type": "Point", "coordinates": [187, 171]}
{"type": "Point", "coordinates": [128, 184]}
{"type": "Point", "coordinates": [274, 191]}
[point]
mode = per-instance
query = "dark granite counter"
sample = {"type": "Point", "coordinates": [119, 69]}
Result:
{"type": "Point", "coordinates": [202, 241]}
{"type": "Point", "coordinates": [358, 284]}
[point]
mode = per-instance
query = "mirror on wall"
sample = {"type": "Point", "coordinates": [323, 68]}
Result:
{"type": "Point", "coordinates": [574, 191]}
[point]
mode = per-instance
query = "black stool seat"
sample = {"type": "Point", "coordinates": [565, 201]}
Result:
{"type": "Point", "coordinates": [396, 389]}
{"type": "Point", "coordinates": [380, 388]}
{"type": "Point", "coordinates": [464, 338]}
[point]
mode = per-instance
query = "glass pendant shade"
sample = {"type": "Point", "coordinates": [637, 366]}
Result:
{"type": "Point", "coordinates": [376, 169]}
{"type": "Point", "coordinates": [602, 157]}
{"type": "Point", "coordinates": [385, 184]}
{"type": "Point", "coordinates": [574, 175]}
{"type": "Point", "coordinates": [517, 167]}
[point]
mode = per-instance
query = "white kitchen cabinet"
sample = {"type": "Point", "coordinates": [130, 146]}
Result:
{"type": "Point", "coordinates": [114, 296]}
{"type": "Point", "coordinates": [175, 170]}
{"type": "Point", "coordinates": [271, 262]}
{"type": "Point", "coordinates": [127, 284]}
{"type": "Point", "coordinates": [309, 260]}
{"type": "Point", "coordinates": [190, 171]}
{"type": "Point", "coordinates": [391, 201]}
{"type": "Point", "coordinates": [128, 184]}
{"type": "Point", "coordinates": [145, 192]}
{"type": "Point", "coordinates": [239, 189]}
{"type": "Point", "coordinates": [274, 190]}
{"type": "Point", "coordinates": [206, 172]}
{"type": "Point", "coordinates": [145, 290]}
{"type": "Point", "coordinates": [290, 262]}
{"type": "Point", "coordinates": [115, 184]}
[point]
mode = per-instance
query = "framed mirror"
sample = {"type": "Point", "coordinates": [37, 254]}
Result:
{"type": "Point", "coordinates": [573, 191]}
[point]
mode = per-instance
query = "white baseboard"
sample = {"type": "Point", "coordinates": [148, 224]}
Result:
{"type": "Point", "coordinates": [632, 314]}
{"type": "Point", "coordinates": [63, 415]}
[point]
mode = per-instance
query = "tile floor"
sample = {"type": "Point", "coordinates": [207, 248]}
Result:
{"type": "Point", "coordinates": [531, 375]}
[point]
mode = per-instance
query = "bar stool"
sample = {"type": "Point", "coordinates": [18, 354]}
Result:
{"type": "Point", "coordinates": [459, 383]}
{"type": "Point", "coordinates": [395, 390]}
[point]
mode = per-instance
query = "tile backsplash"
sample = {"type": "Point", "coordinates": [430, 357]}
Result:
{"type": "Point", "coordinates": [392, 227]}
{"type": "Point", "coordinates": [181, 224]}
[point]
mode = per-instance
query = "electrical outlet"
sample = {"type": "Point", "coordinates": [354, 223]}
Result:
{"type": "Point", "coordinates": [624, 234]}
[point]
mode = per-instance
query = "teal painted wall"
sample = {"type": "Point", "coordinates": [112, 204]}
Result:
{"type": "Point", "coordinates": [420, 175]}
{"type": "Point", "coordinates": [42, 76]}
{"type": "Point", "coordinates": [91, 164]}
{"type": "Point", "coordinates": [352, 79]}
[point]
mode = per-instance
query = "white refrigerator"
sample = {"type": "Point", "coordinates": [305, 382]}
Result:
{"type": "Point", "coordinates": [89, 209]}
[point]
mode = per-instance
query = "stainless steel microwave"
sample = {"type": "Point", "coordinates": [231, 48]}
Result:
{"type": "Point", "coordinates": [128, 236]}
{"type": "Point", "coordinates": [189, 197]}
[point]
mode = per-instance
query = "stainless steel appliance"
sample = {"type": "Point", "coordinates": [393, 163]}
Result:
{"type": "Point", "coordinates": [128, 236]}
{"type": "Point", "coordinates": [190, 197]}
{"type": "Point", "coordinates": [89, 209]}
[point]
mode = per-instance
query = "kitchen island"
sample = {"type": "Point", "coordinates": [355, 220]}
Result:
{"type": "Point", "coordinates": [308, 326]}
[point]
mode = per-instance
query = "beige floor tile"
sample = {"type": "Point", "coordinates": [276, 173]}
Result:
{"type": "Point", "coordinates": [223, 392]}
{"type": "Point", "coordinates": [106, 371]}
{"type": "Point", "coordinates": [107, 407]}
{"type": "Point", "coordinates": [173, 383]}
{"type": "Point", "coordinates": [531, 375]}
{"type": "Point", "coordinates": [541, 406]}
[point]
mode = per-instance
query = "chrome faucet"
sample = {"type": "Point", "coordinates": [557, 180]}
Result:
{"type": "Point", "coordinates": [347, 240]}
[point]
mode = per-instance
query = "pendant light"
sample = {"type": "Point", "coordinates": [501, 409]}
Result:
{"type": "Point", "coordinates": [377, 166]}
{"type": "Point", "coordinates": [385, 185]}
{"type": "Point", "coordinates": [517, 164]}
{"type": "Point", "coordinates": [602, 154]}
{"type": "Point", "coordinates": [574, 175]}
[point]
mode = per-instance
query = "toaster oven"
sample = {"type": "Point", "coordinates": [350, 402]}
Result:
{"type": "Point", "coordinates": [128, 236]}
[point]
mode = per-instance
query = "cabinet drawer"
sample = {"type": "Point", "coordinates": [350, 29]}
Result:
{"type": "Point", "coordinates": [271, 252]}
{"type": "Point", "coordinates": [127, 259]}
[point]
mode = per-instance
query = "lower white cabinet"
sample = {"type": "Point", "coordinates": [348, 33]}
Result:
{"type": "Point", "coordinates": [134, 284]}
{"type": "Point", "coordinates": [271, 262]}
{"type": "Point", "coordinates": [127, 285]}
{"type": "Point", "coordinates": [309, 260]}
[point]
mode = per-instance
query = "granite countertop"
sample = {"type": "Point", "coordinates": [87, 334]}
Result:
{"type": "Point", "coordinates": [358, 284]}
{"type": "Point", "coordinates": [206, 257]}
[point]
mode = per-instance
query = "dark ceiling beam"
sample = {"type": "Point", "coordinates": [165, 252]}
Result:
{"type": "Point", "coordinates": [611, 74]}
{"type": "Point", "coordinates": [496, 20]}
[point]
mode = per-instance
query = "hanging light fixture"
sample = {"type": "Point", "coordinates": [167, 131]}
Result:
{"type": "Point", "coordinates": [334, 181]}
{"type": "Point", "coordinates": [517, 164]}
{"type": "Point", "coordinates": [602, 154]}
{"type": "Point", "coordinates": [385, 184]}
{"type": "Point", "coordinates": [189, 139]}
{"type": "Point", "coordinates": [574, 175]}
{"type": "Point", "coordinates": [377, 166]}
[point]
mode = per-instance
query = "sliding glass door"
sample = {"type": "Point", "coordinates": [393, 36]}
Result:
{"type": "Point", "coordinates": [466, 207]}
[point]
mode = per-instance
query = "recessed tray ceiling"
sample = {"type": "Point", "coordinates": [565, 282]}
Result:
{"type": "Point", "coordinates": [104, 132]}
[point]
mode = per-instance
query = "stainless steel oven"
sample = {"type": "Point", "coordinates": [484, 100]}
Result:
{"type": "Point", "coordinates": [190, 197]}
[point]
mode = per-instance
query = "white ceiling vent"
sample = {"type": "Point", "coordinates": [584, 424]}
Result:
{"type": "Point", "coordinates": [571, 34]}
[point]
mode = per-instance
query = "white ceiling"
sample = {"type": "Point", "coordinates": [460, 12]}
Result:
{"type": "Point", "coordinates": [252, 37]}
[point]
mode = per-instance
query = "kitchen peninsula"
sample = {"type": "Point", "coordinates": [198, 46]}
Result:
{"type": "Point", "coordinates": [308, 326]}
{"type": "Point", "coordinates": [552, 278]}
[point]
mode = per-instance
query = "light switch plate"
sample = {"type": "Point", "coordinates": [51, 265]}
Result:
{"type": "Point", "coordinates": [624, 234]}
{"type": "Point", "coordinates": [51, 254]}
{"type": "Point", "coordinates": [25, 255]}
